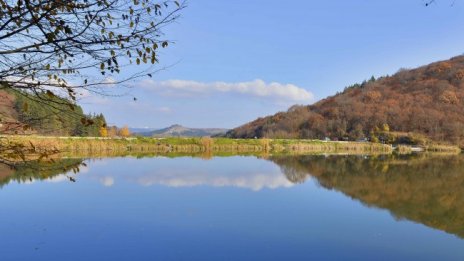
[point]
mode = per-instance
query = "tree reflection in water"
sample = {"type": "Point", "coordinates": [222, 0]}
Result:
{"type": "Point", "coordinates": [421, 188]}
{"type": "Point", "coordinates": [428, 189]}
{"type": "Point", "coordinates": [39, 170]}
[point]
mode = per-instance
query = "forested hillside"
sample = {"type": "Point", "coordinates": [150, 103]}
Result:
{"type": "Point", "coordinates": [22, 113]}
{"type": "Point", "coordinates": [427, 101]}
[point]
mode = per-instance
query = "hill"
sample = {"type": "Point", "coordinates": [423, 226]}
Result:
{"type": "Point", "coordinates": [427, 101]}
{"type": "Point", "coordinates": [22, 113]}
{"type": "Point", "coordinates": [181, 131]}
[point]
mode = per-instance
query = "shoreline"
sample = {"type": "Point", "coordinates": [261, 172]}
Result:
{"type": "Point", "coordinates": [147, 145]}
{"type": "Point", "coordinates": [166, 145]}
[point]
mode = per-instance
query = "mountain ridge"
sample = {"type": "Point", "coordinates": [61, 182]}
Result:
{"type": "Point", "coordinates": [177, 130]}
{"type": "Point", "coordinates": [427, 101]}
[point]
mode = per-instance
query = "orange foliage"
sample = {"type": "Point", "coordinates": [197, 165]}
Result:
{"type": "Point", "coordinates": [427, 100]}
{"type": "Point", "coordinates": [124, 131]}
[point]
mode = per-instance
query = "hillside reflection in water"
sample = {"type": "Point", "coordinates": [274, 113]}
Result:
{"type": "Point", "coordinates": [297, 192]}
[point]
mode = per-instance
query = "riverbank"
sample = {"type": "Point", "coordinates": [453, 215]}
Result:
{"type": "Point", "coordinates": [101, 147]}
{"type": "Point", "coordinates": [164, 145]}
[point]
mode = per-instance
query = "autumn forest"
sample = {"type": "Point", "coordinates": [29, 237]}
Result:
{"type": "Point", "coordinates": [411, 105]}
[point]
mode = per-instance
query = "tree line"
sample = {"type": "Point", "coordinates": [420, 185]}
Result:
{"type": "Point", "coordinates": [59, 119]}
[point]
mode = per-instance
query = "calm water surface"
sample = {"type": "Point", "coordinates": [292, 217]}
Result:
{"type": "Point", "coordinates": [236, 208]}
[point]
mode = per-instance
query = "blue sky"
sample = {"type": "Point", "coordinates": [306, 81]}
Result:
{"type": "Point", "coordinates": [234, 61]}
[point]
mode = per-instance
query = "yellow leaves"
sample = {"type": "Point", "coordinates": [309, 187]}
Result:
{"type": "Point", "coordinates": [372, 96]}
{"type": "Point", "coordinates": [449, 97]}
{"type": "Point", "coordinates": [124, 132]}
{"type": "Point", "coordinates": [103, 132]}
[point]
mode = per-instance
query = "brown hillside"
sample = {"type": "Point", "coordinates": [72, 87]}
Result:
{"type": "Point", "coordinates": [8, 114]}
{"type": "Point", "coordinates": [428, 100]}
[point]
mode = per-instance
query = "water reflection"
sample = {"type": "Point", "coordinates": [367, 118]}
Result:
{"type": "Point", "coordinates": [178, 173]}
{"type": "Point", "coordinates": [240, 172]}
{"type": "Point", "coordinates": [424, 189]}
{"type": "Point", "coordinates": [52, 171]}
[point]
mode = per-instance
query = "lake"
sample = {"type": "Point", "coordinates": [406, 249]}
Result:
{"type": "Point", "coordinates": [279, 207]}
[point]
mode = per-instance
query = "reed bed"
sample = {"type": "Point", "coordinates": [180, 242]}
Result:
{"type": "Point", "coordinates": [443, 148]}
{"type": "Point", "coordinates": [104, 146]}
{"type": "Point", "coordinates": [403, 149]}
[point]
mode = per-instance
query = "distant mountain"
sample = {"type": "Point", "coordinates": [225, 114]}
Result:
{"type": "Point", "coordinates": [427, 101]}
{"type": "Point", "coordinates": [181, 131]}
{"type": "Point", "coordinates": [141, 130]}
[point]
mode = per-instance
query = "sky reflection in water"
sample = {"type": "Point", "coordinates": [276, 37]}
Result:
{"type": "Point", "coordinates": [283, 207]}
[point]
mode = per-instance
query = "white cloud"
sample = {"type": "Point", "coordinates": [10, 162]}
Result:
{"type": "Point", "coordinates": [85, 96]}
{"type": "Point", "coordinates": [253, 181]}
{"type": "Point", "coordinates": [256, 88]}
{"type": "Point", "coordinates": [107, 181]}
{"type": "Point", "coordinates": [186, 172]}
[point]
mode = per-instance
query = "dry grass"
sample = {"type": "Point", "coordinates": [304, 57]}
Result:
{"type": "Point", "coordinates": [196, 145]}
{"type": "Point", "coordinates": [443, 148]}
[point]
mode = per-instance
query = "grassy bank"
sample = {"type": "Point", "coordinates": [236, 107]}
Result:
{"type": "Point", "coordinates": [443, 148]}
{"type": "Point", "coordinates": [195, 145]}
